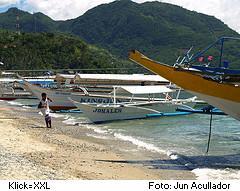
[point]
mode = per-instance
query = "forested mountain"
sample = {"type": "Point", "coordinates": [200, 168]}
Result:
{"type": "Point", "coordinates": [15, 19]}
{"type": "Point", "coordinates": [160, 30]}
{"type": "Point", "coordinates": [52, 51]}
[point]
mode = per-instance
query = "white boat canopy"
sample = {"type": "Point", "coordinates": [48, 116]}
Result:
{"type": "Point", "coordinates": [142, 89]}
{"type": "Point", "coordinates": [63, 77]}
{"type": "Point", "coordinates": [122, 77]}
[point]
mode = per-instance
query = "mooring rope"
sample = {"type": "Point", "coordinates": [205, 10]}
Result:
{"type": "Point", "coordinates": [210, 132]}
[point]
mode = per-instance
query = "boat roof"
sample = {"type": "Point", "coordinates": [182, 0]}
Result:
{"type": "Point", "coordinates": [143, 89]}
{"type": "Point", "coordinates": [6, 80]}
{"type": "Point", "coordinates": [65, 76]}
{"type": "Point", "coordinates": [40, 77]}
{"type": "Point", "coordinates": [123, 77]}
{"type": "Point", "coordinates": [8, 73]}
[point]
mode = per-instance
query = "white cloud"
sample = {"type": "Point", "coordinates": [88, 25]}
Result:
{"type": "Point", "coordinates": [7, 2]}
{"type": "Point", "coordinates": [62, 10]}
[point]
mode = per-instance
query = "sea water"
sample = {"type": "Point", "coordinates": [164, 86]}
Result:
{"type": "Point", "coordinates": [183, 138]}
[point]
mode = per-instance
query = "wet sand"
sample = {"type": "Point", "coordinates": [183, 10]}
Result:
{"type": "Point", "coordinates": [28, 150]}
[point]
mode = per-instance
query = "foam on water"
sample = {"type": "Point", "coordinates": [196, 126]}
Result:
{"type": "Point", "coordinates": [40, 113]}
{"type": "Point", "coordinates": [139, 143]}
{"type": "Point", "coordinates": [56, 115]}
{"type": "Point", "coordinates": [96, 129]}
{"type": "Point", "coordinates": [15, 103]}
{"type": "Point", "coordinates": [26, 107]}
{"type": "Point", "coordinates": [210, 174]}
{"type": "Point", "coordinates": [98, 136]}
{"type": "Point", "coordinates": [70, 121]}
{"type": "Point", "coordinates": [173, 156]}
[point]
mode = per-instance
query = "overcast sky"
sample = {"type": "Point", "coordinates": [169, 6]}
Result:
{"type": "Point", "coordinates": [226, 10]}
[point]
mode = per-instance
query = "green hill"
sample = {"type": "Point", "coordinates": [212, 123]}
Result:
{"type": "Point", "coordinates": [160, 30]}
{"type": "Point", "coordinates": [52, 51]}
{"type": "Point", "coordinates": [27, 22]}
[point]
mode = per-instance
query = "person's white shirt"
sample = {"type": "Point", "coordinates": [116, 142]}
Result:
{"type": "Point", "coordinates": [45, 107]}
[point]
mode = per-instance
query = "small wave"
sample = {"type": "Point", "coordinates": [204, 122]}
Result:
{"type": "Point", "coordinates": [173, 156]}
{"type": "Point", "coordinates": [40, 113]}
{"type": "Point", "coordinates": [139, 143]}
{"type": "Point", "coordinates": [98, 136]}
{"type": "Point", "coordinates": [97, 130]}
{"type": "Point", "coordinates": [213, 174]}
{"type": "Point", "coordinates": [26, 107]}
{"type": "Point", "coordinates": [70, 121]}
{"type": "Point", "coordinates": [56, 115]}
{"type": "Point", "coordinates": [15, 103]}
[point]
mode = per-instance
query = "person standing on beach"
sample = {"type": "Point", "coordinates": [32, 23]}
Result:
{"type": "Point", "coordinates": [44, 106]}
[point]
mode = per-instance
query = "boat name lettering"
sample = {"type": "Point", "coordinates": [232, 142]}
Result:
{"type": "Point", "coordinates": [107, 110]}
{"type": "Point", "coordinates": [95, 100]}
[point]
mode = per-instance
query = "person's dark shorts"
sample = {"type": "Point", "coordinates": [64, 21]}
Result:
{"type": "Point", "coordinates": [47, 118]}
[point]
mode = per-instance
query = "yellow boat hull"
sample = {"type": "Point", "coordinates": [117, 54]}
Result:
{"type": "Point", "coordinates": [224, 96]}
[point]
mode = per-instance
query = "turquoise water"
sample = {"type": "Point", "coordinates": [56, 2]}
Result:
{"type": "Point", "coordinates": [183, 138]}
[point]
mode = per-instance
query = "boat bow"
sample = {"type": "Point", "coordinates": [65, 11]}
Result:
{"type": "Point", "coordinates": [225, 96]}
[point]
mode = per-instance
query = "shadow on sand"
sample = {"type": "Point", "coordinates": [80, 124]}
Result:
{"type": "Point", "coordinates": [37, 127]}
{"type": "Point", "coordinates": [187, 162]}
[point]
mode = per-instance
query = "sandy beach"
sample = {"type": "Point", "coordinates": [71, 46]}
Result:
{"type": "Point", "coordinates": [28, 150]}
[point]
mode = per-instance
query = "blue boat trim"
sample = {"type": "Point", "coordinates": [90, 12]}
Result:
{"type": "Point", "coordinates": [223, 66]}
{"type": "Point", "coordinates": [168, 114]}
{"type": "Point", "coordinates": [200, 111]}
{"type": "Point", "coordinates": [216, 70]}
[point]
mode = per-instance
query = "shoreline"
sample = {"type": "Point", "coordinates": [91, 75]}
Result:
{"type": "Point", "coordinates": [64, 153]}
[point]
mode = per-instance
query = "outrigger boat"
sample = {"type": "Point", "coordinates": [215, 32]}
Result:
{"type": "Point", "coordinates": [60, 98]}
{"type": "Point", "coordinates": [111, 79]}
{"type": "Point", "coordinates": [219, 87]}
{"type": "Point", "coordinates": [102, 83]}
{"type": "Point", "coordinates": [11, 77]}
{"type": "Point", "coordinates": [61, 101]}
{"type": "Point", "coordinates": [11, 86]}
{"type": "Point", "coordinates": [98, 113]}
{"type": "Point", "coordinates": [8, 93]}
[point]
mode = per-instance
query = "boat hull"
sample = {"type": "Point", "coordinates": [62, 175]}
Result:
{"type": "Point", "coordinates": [106, 113]}
{"type": "Point", "coordinates": [7, 98]}
{"type": "Point", "coordinates": [222, 95]}
{"type": "Point", "coordinates": [11, 96]}
{"type": "Point", "coordinates": [60, 99]}
{"type": "Point", "coordinates": [229, 107]}
{"type": "Point", "coordinates": [100, 114]}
